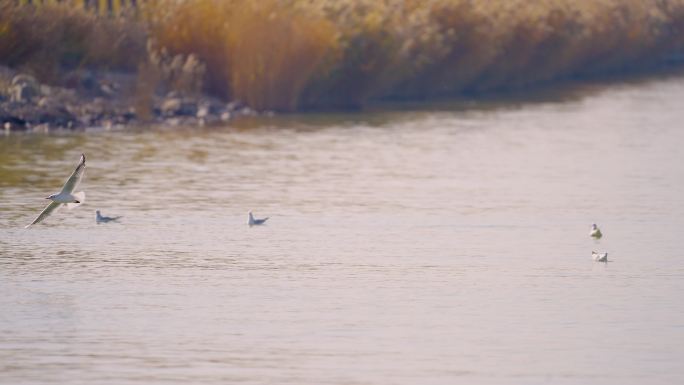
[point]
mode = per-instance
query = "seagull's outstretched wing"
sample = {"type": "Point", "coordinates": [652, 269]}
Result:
{"type": "Point", "coordinates": [45, 213]}
{"type": "Point", "coordinates": [75, 177]}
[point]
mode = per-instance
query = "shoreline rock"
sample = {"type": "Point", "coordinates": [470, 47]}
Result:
{"type": "Point", "coordinates": [106, 100]}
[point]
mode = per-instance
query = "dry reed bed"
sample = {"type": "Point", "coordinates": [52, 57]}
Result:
{"type": "Point", "coordinates": [293, 54]}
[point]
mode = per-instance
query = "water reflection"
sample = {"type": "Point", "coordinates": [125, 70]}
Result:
{"type": "Point", "coordinates": [430, 246]}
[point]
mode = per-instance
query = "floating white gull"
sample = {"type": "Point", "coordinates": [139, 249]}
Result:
{"type": "Point", "coordinates": [99, 218]}
{"type": "Point", "coordinates": [67, 196]}
{"type": "Point", "coordinates": [255, 222]}
{"type": "Point", "coordinates": [599, 257]}
{"type": "Point", "coordinates": [595, 231]}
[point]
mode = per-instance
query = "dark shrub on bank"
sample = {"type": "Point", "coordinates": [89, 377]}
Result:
{"type": "Point", "coordinates": [49, 38]}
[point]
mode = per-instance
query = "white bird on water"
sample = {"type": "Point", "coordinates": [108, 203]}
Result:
{"type": "Point", "coordinates": [599, 257]}
{"type": "Point", "coordinates": [99, 218]}
{"type": "Point", "coordinates": [595, 231]}
{"type": "Point", "coordinates": [67, 196]}
{"type": "Point", "coordinates": [255, 222]}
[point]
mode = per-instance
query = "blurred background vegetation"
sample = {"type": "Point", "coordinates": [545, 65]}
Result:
{"type": "Point", "coordinates": [290, 55]}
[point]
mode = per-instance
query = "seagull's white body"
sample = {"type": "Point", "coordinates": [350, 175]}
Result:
{"type": "Point", "coordinates": [99, 218]}
{"type": "Point", "coordinates": [254, 221]}
{"type": "Point", "coordinates": [66, 196]}
{"type": "Point", "coordinates": [599, 257]}
{"type": "Point", "coordinates": [595, 231]}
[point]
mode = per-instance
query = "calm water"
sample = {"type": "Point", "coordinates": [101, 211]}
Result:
{"type": "Point", "coordinates": [444, 245]}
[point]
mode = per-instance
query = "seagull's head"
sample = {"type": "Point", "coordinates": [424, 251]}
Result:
{"type": "Point", "coordinates": [593, 226]}
{"type": "Point", "coordinates": [51, 197]}
{"type": "Point", "coordinates": [97, 212]}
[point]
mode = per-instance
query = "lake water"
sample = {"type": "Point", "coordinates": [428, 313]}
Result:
{"type": "Point", "coordinates": [417, 245]}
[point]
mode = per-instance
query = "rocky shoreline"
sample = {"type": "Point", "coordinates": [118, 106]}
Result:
{"type": "Point", "coordinates": [103, 100]}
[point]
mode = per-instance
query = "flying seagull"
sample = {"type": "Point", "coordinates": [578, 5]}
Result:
{"type": "Point", "coordinates": [599, 257]}
{"type": "Point", "coordinates": [99, 218]}
{"type": "Point", "coordinates": [256, 222]}
{"type": "Point", "coordinates": [67, 196]}
{"type": "Point", "coordinates": [595, 231]}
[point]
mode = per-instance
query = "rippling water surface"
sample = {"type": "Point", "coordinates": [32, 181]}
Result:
{"type": "Point", "coordinates": [443, 245]}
